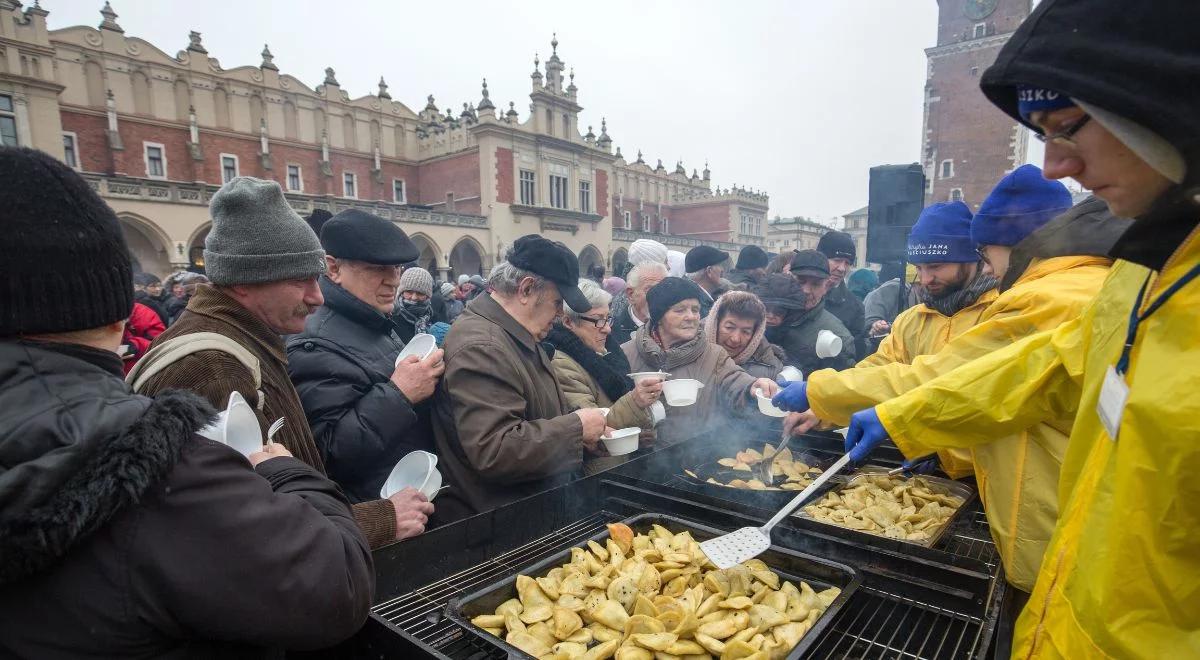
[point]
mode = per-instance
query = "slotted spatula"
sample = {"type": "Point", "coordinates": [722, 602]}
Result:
{"type": "Point", "coordinates": [749, 542]}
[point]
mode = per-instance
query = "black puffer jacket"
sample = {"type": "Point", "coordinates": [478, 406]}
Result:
{"type": "Point", "coordinates": [341, 366]}
{"type": "Point", "coordinates": [123, 534]}
{"type": "Point", "coordinates": [797, 336]}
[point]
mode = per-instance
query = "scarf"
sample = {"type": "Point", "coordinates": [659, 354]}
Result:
{"type": "Point", "coordinates": [667, 359]}
{"type": "Point", "coordinates": [416, 313]}
{"type": "Point", "coordinates": [608, 370]}
{"type": "Point", "coordinates": [710, 329]}
{"type": "Point", "coordinates": [953, 303]}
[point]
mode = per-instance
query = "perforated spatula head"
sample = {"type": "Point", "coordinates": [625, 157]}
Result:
{"type": "Point", "coordinates": [736, 547]}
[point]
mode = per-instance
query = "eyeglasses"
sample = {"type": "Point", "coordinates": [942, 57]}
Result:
{"type": "Point", "coordinates": [602, 322]}
{"type": "Point", "coordinates": [1066, 136]}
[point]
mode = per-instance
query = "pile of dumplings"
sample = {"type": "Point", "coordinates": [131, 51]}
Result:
{"type": "Point", "coordinates": [796, 475]}
{"type": "Point", "coordinates": [898, 508]}
{"type": "Point", "coordinates": [655, 596]}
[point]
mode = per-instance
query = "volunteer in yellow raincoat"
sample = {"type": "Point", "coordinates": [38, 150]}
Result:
{"type": "Point", "coordinates": [1017, 474]}
{"type": "Point", "coordinates": [954, 293]}
{"type": "Point", "coordinates": [1121, 575]}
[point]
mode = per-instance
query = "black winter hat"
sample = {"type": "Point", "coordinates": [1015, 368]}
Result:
{"type": "Point", "coordinates": [64, 264]}
{"type": "Point", "coordinates": [145, 279]}
{"type": "Point", "coordinates": [703, 256]}
{"type": "Point", "coordinates": [837, 245]}
{"type": "Point", "coordinates": [360, 236]}
{"type": "Point", "coordinates": [780, 292]}
{"type": "Point", "coordinates": [554, 262]}
{"type": "Point", "coordinates": [752, 257]}
{"type": "Point", "coordinates": [811, 263]}
{"type": "Point", "coordinates": [667, 293]}
{"type": "Point", "coordinates": [317, 220]}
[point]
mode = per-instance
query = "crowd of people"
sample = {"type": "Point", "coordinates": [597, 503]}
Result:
{"type": "Point", "coordinates": [1044, 347]}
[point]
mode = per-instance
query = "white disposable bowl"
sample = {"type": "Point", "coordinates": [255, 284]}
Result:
{"type": "Point", "coordinates": [790, 373]}
{"type": "Point", "coordinates": [765, 407]}
{"type": "Point", "coordinates": [828, 344]}
{"type": "Point", "coordinates": [421, 346]}
{"type": "Point", "coordinates": [418, 469]}
{"type": "Point", "coordinates": [681, 391]}
{"type": "Point", "coordinates": [622, 441]}
{"type": "Point", "coordinates": [639, 375]}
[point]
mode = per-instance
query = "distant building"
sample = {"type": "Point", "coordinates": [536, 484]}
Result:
{"type": "Point", "coordinates": [156, 135]}
{"type": "Point", "coordinates": [856, 226]}
{"type": "Point", "coordinates": [799, 233]}
{"type": "Point", "coordinates": [968, 145]}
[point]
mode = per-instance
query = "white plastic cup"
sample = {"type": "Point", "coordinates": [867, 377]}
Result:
{"type": "Point", "coordinates": [828, 344]}
{"type": "Point", "coordinates": [622, 441]}
{"type": "Point", "coordinates": [421, 346]}
{"type": "Point", "coordinates": [639, 376]}
{"type": "Point", "coordinates": [681, 391]}
{"type": "Point", "coordinates": [790, 373]}
{"type": "Point", "coordinates": [765, 407]}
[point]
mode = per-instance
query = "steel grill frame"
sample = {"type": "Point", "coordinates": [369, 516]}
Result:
{"type": "Point", "coordinates": [879, 636]}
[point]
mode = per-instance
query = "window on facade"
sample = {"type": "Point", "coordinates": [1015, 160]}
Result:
{"type": "Point", "coordinates": [229, 168]}
{"type": "Point", "coordinates": [980, 30]}
{"type": "Point", "coordinates": [628, 220]}
{"type": "Point", "coordinates": [956, 195]}
{"type": "Point", "coordinates": [8, 122]}
{"type": "Point", "coordinates": [664, 225]}
{"type": "Point", "coordinates": [585, 196]}
{"type": "Point", "coordinates": [156, 161]}
{"type": "Point", "coordinates": [70, 150]}
{"type": "Point", "coordinates": [558, 191]}
{"type": "Point", "coordinates": [349, 185]}
{"type": "Point", "coordinates": [398, 191]}
{"type": "Point", "coordinates": [294, 180]}
{"type": "Point", "coordinates": [527, 188]}
{"type": "Point", "coordinates": [947, 169]}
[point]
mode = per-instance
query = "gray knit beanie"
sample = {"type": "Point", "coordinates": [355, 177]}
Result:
{"type": "Point", "coordinates": [416, 279]}
{"type": "Point", "coordinates": [256, 236]}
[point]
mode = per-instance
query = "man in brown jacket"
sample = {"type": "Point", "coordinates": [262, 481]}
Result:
{"type": "Point", "coordinates": [263, 260]}
{"type": "Point", "coordinates": [501, 421]}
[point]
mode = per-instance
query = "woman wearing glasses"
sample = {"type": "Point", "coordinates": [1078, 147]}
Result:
{"type": "Point", "coordinates": [594, 378]}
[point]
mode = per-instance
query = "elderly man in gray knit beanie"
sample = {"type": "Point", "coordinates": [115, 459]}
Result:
{"type": "Point", "coordinates": [264, 261]}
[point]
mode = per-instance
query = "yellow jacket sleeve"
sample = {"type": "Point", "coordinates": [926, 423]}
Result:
{"type": "Point", "coordinates": [1003, 393]}
{"type": "Point", "coordinates": [835, 396]}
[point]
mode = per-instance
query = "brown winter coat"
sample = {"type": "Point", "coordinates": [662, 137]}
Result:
{"type": "Point", "coordinates": [583, 391]}
{"type": "Point", "coordinates": [726, 386]}
{"type": "Point", "coordinates": [501, 421]}
{"type": "Point", "coordinates": [215, 375]}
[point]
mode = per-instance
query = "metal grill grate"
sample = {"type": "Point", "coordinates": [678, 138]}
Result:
{"type": "Point", "coordinates": [972, 538]}
{"type": "Point", "coordinates": [419, 613]}
{"type": "Point", "coordinates": [878, 624]}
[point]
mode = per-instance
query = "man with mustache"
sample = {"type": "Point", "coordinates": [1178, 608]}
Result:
{"type": "Point", "coordinates": [263, 261]}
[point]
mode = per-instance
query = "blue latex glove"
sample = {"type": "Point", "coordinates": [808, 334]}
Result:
{"type": "Point", "coordinates": [866, 433]}
{"type": "Point", "coordinates": [792, 396]}
{"type": "Point", "coordinates": [924, 465]}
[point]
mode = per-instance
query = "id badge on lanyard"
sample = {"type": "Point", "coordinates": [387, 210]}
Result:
{"type": "Point", "coordinates": [1111, 405]}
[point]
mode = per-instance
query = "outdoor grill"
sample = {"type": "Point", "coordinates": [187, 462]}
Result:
{"type": "Point", "coordinates": [913, 602]}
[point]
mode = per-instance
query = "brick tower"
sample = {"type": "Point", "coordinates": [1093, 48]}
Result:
{"type": "Point", "coordinates": [968, 145]}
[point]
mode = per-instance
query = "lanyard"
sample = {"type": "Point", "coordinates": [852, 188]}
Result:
{"type": "Point", "coordinates": [1135, 319]}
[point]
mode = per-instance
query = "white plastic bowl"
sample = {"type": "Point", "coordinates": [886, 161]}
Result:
{"type": "Point", "coordinates": [236, 426]}
{"type": "Point", "coordinates": [658, 412]}
{"type": "Point", "coordinates": [828, 344]}
{"type": "Point", "coordinates": [421, 346]}
{"type": "Point", "coordinates": [418, 469]}
{"type": "Point", "coordinates": [790, 373]}
{"type": "Point", "coordinates": [765, 407]}
{"type": "Point", "coordinates": [638, 376]}
{"type": "Point", "coordinates": [622, 441]}
{"type": "Point", "coordinates": [681, 391]}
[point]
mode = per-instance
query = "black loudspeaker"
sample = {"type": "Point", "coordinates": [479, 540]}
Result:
{"type": "Point", "coordinates": [896, 197]}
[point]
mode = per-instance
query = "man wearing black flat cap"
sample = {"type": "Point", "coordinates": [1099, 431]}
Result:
{"type": "Point", "coordinates": [838, 247]}
{"type": "Point", "coordinates": [503, 427]}
{"type": "Point", "coordinates": [751, 267]}
{"type": "Point", "coordinates": [705, 265]}
{"type": "Point", "coordinates": [362, 406]}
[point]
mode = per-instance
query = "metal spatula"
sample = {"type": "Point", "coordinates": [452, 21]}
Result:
{"type": "Point", "coordinates": [749, 542]}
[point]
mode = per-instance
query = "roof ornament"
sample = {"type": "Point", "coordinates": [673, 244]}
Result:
{"type": "Point", "coordinates": [486, 102]}
{"type": "Point", "coordinates": [194, 42]}
{"type": "Point", "coordinates": [590, 135]}
{"type": "Point", "coordinates": [512, 112]}
{"type": "Point", "coordinates": [330, 79]}
{"type": "Point", "coordinates": [429, 104]}
{"type": "Point", "coordinates": [383, 87]}
{"type": "Point", "coordinates": [110, 18]}
{"type": "Point", "coordinates": [639, 158]}
{"type": "Point", "coordinates": [268, 59]}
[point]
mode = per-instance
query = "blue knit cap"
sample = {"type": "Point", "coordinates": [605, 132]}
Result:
{"type": "Point", "coordinates": [1022, 202]}
{"type": "Point", "coordinates": [942, 235]}
{"type": "Point", "coordinates": [1035, 99]}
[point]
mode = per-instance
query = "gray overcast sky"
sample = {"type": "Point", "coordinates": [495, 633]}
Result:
{"type": "Point", "coordinates": [795, 97]}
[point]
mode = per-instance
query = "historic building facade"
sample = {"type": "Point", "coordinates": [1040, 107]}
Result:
{"type": "Point", "coordinates": [967, 144]}
{"type": "Point", "coordinates": [156, 135]}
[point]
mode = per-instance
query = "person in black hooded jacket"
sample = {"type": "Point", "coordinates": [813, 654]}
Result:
{"type": "Point", "coordinates": [124, 533]}
{"type": "Point", "coordinates": [364, 408]}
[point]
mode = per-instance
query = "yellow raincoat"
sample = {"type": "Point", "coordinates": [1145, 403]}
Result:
{"type": "Point", "coordinates": [1017, 475]}
{"type": "Point", "coordinates": [922, 330]}
{"type": "Point", "coordinates": [1121, 576]}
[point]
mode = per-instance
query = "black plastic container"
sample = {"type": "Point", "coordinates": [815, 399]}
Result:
{"type": "Point", "coordinates": [819, 573]}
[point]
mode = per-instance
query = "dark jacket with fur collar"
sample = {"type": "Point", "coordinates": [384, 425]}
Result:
{"type": "Point", "coordinates": [124, 534]}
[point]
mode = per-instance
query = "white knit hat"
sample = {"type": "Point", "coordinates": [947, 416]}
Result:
{"type": "Point", "coordinates": [644, 250]}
